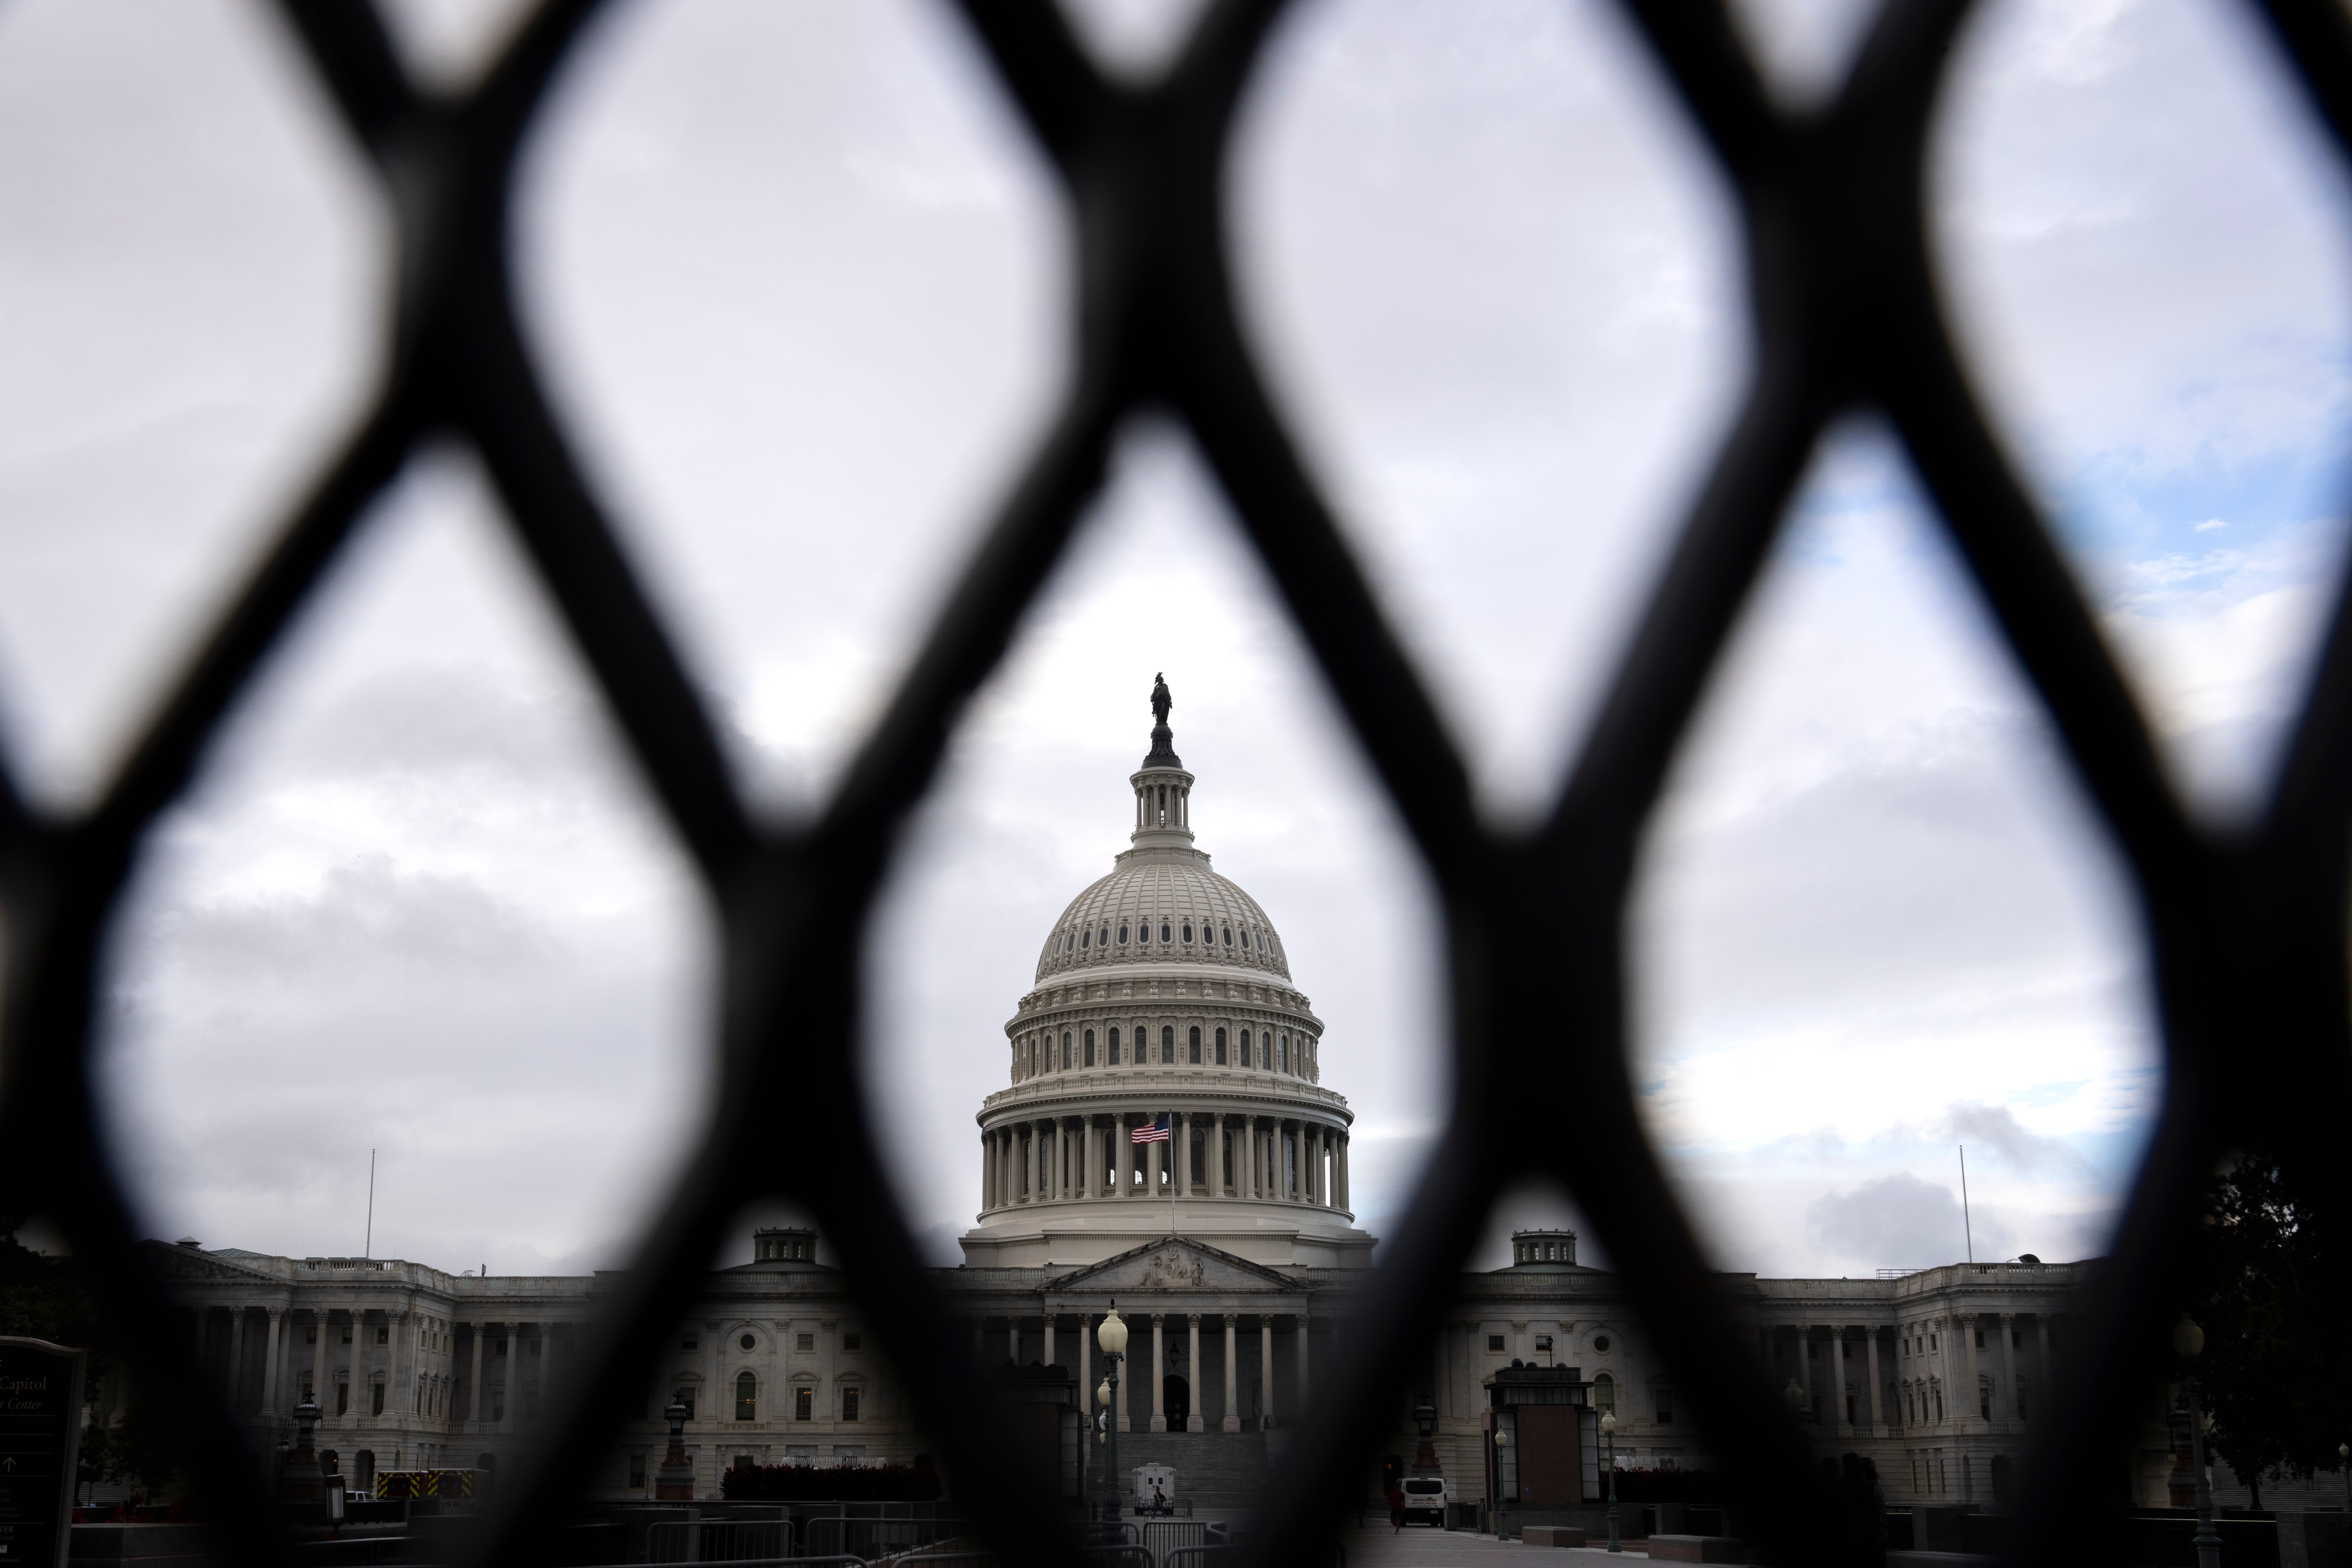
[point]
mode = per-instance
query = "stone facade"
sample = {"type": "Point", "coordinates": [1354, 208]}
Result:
{"type": "Point", "coordinates": [1163, 991]}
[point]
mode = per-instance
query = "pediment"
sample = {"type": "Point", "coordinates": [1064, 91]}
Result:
{"type": "Point", "coordinates": [184, 1264]}
{"type": "Point", "coordinates": [1176, 1264]}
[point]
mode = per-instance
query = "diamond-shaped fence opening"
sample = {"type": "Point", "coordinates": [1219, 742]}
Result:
{"type": "Point", "coordinates": [2247, 932]}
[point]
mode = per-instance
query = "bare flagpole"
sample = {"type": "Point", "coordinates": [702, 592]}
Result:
{"type": "Point", "coordinates": [367, 1248]}
{"type": "Point", "coordinates": [1968, 1228]}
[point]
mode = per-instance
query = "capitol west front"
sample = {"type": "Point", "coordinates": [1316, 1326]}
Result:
{"type": "Point", "coordinates": [1163, 991]}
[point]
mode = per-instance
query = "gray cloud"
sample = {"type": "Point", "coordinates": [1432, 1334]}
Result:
{"type": "Point", "coordinates": [1899, 1221]}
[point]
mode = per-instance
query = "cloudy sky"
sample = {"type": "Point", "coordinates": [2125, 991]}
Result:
{"type": "Point", "coordinates": [799, 283]}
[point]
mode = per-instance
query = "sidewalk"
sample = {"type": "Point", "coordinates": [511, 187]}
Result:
{"type": "Point", "coordinates": [1377, 1545]}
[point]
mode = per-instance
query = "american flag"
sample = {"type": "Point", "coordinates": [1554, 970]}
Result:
{"type": "Point", "coordinates": [1155, 1134]}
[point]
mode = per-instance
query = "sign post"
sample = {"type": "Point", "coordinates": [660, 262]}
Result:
{"type": "Point", "coordinates": [40, 1437]}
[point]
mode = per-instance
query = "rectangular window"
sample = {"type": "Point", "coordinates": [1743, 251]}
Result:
{"type": "Point", "coordinates": [1543, 1343]}
{"type": "Point", "coordinates": [637, 1473]}
{"type": "Point", "coordinates": [310, 1335]}
{"type": "Point", "coordinates": [849, 1405]}
{"type": "Point", "coordinates": [689, 1342]}
{"type": "Point", "coordinates": [1979, 1334]}
{"type": "Point", "coordinates": [499, 1404]}
{"type": "Point", "coordinates": [745, 1462]}
{"type": "Point", "coordinates": [1931, 1341]}
{"type": "Point", "coordinates": [384, 1334]}
{"type": "Point", "coordinates": [1090, 1048]}
{"type": "Point", "coordinates": [1665, 1406]}
{"type": "Point", "coordinates": [376, 1400]}
{"type": "Point", "coordinates": [343, 1399]}
{"type": "Point", "coordinates": [804, 1342]}
{"type": "Point", "coordinates": [347, 1335]}
{"type": "Point", "coordinates": [686, 1397]}
{"type": "Point", "coordinates": [852, 1341]}
{"type": "Point", "coordinates": [1494, 1344]}
{"type": "Point", "coordinates": [803, 1404]}
{"type": "Point", "coordinates": [2016, 1340]}
{"type": "Point", "coordinates": [1984, 1403]}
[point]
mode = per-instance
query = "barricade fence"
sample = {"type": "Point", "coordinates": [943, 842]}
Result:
{"type": "Point", "coordinates": [2246, 926]}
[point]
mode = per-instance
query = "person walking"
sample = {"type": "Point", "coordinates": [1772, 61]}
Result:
{"type": "Point", "coordinates": [1396, 1508]}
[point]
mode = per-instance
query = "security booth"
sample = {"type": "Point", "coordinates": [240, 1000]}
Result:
{"type": "Point", "coordinates": [1044, 1421]}
{"type": "Point", "coordinates": [1543, 1448]}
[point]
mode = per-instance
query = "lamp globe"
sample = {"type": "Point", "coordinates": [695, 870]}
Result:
{"type": "Point", "coordinates": [1112, 1335]}
{"type": "Point", "coordinates": [1102, 1392]}
{"type": "Point", "coordinates": [1609, 1421]}
{"type": "Point", "coordinates": [2187, 1339]}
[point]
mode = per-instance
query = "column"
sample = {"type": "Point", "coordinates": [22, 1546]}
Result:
{"type": "Point", "coordinates": [547, 1372]}
{"type": "Point", "coordinates": [359, 1362]}
{"type": "Point", "coordinates": [1837, 1339]}
{"type": "Point", "coordinates": [1011, 1341]}
{"type": "Point", "coordinates": [1265, 1369]}
{"type": "Point", "coordinates": [2050, 1378]}
{"type": "Point", "coordinates": [511, 1402]}
{"type": "Point", "coordinates": [1155, 1156]}
{"type": "Point", "coordinates": [1122, 1154]}
{"type": "Point", "coordinates": [1196, 1422]}
{"type": "Point", "coordinates": [1035, 1162]}
{"type": "Point", "coordinates": [474, 1383]}
{"type": "Point", "coordinates": [987, 1177]}
{"type": "Point", "coordinates": [1159, 1384]}
{"type": "Point", "coordinates": [1232, 1420]}
{"type": "Point", "coordinates": [2005, 1404]}
{"type": "Point", "coordinates": [1323, 1166]}
{"type": "Point", "coordinates": [1965, 1381]}
{"type": "Point", "coordinates": [319, 1390]}
{"type": "Point", "coordinates": [1180, 1126]}
{"type": "Point", "coordinates": [1344, 1196]}
{"type": "Point", "coordinates": [236, 1390]}
{"type": "Point", "coordinates": [1049, 1339]}
{"type": "Point", "coordinates": [269, 1366]}
{"type": "Point", "coordinates": [1089, 1183]}
{"type": "Point", "coordinates": [1303, 1330]}
{"type": "Point", "coordinates": [1086, 1376]}
{"type": "Point", "coordinates": [1877, 1415]}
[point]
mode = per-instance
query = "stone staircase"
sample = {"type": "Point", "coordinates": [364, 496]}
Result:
{"type": "Point", "coordinates": [1222, 1473]}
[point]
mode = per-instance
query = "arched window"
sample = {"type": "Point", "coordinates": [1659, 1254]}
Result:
{"type": "Point", "coordinates": [1282, 1054]}
{"type": "Point", "coordinates": [1163, 930]}
{"type": "Point", "coordinates": [1221, 1048]}
{"type": "Point", "coordinates": [1122, 936]}
{"type": "Point", "coordinates": [1105, 936]}
{"type": "Point", "coordinates": [1086, 938]}
{"type": "Point", "coordinates": [1229, 936]}
{"type": "Point", "coordinates": [1265, 1049]}
{"type": "Point", "coordinates": [1066, 1048]}
{"type": "Point", "coordinates": [1194, 1047]}
{"type": "Point", "coordinates": [1188, 931]}
{"type": "Point", "coordinates": [746, 1397]}
{"type": "Point", "coordinates": [1167, 1044]}
{"type": "Point", "coordinates": [1090, 1048]}
{"type": "Point", "coordinates": [1069, 943]}
{"type": "Point", "coordinates": [1244, 1057]}
{"type": "Point", "coordinates": [1605, 1392]}
{"type": "Point", "coordinates": [1111, 1055]}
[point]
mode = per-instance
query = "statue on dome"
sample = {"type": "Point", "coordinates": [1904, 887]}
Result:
{"type": "Point", "coordinates": [1163, 740]}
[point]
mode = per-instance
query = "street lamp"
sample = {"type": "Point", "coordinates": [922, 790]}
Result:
{"type": "Point", "coordinates": [1609, 1430]}
{"type": "Point", "coordinates": [1112, 1337]}
{"type": "Point", "coordinates": [2187, 1343]}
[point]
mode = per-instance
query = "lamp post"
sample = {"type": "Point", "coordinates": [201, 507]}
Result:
{"type": "Point", "coordinates": [1112, 1337]}
{"type": "Point", "coordinates": [1502, 1443]}
{"type": "Point", "coordinates": [1609, 1431]}
{"type": "Point", "coordinates": [2187, 1341]}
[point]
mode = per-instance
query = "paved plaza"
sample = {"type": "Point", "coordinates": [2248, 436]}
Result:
{"type": "Point", "coordinates": [1380, 1546]}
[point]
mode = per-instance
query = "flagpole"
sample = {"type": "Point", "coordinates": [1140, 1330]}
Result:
{"type": "Point", "coordinates": [1172, 1173]}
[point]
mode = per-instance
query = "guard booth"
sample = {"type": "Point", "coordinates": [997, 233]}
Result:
{"type": "Point", "coordinates": [1045, 1427]}
{"type": "Point", "coordinates": [1543, 1456]}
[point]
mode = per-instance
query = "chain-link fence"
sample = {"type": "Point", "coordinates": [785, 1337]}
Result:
{"type": "Point", "coordinates": [2247, 928]}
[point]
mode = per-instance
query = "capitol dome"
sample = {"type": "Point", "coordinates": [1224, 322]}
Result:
{"type": "Point", "coordinates": [1163, 1053]}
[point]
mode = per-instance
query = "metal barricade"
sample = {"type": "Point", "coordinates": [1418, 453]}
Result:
{"type": "Point", "coordinates": [718, 1541]}
{"type": "Point", "coordinates": [1196, 1556]}
{"type": "Point", "coordinates": [1162, 1536]}
{"type": "Point", "coordinates": [872, 1539]}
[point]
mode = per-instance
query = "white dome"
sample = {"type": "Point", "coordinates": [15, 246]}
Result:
{"type": "Point", "coordinates": [1159, 907]}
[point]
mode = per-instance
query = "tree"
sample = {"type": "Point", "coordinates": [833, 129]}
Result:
{"type": "Point", "coordinates": [2269, 1272]}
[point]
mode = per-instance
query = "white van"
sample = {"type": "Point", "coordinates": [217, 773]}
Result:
{"type": "Point", "coordinates": [1425, 1497]}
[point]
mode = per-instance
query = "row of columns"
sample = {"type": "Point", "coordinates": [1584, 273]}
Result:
{"type": "Point", "coordinates": [1277, 1159]}
{"type": "Point", "coordinates": [1229, 1421]}
{"type": "Point", "coordinates": [1960, 1356]}
{"type": "Point", "coordinates": [403, 1369]}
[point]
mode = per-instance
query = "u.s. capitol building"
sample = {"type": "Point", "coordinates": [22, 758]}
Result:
{"type": "Point", "coordinates": [1163, 998]}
